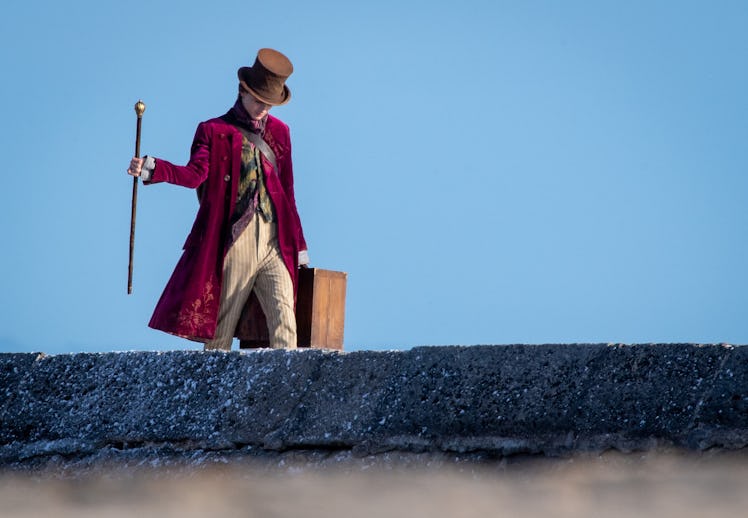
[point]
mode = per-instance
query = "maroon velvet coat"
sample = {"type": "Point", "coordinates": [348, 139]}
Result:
{"type": "Point", "coordinates": [189, 304]}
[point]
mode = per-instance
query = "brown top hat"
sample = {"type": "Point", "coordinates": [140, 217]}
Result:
{"type": "Point", "coordinates": [267, 77]}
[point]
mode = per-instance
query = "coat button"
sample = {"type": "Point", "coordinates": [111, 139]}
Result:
{"type": "Point", "coordinates": [227, 178]}
{"type": "Point", "coordinates": [225, 157]}
{"type": "Point", "coordinates": [222, 135]}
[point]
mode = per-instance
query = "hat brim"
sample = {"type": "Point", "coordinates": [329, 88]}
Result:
{"type": "Point", "coordinates": [283, 99]}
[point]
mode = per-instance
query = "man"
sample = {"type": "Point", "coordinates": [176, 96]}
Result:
{"type": "Point", "coordinates": [246, 243]}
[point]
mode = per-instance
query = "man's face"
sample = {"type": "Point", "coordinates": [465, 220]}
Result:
{"type": "Point", "coordinates": [255, 108]}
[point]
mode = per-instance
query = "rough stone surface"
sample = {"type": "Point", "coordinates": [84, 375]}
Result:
{"type": "Point", "coordinates": [475, 402]}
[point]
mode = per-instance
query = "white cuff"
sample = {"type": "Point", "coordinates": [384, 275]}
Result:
{"type": "Point", "coordinates": [149, 164]}
{"type": "Point", "coordinates": [303, 257]}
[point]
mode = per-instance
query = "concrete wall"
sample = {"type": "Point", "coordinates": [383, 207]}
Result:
{"type": "Point", "coordinates": [488, 400]}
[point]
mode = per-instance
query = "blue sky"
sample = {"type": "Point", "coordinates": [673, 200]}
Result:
{"type": "Point", "coordinates": [487, 172]}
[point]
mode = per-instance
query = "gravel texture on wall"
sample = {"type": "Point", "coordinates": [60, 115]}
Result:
{"type": "Point", "coordinates": [483, 401]}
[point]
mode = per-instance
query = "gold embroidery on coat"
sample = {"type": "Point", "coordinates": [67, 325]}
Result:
{"type": "Point", "coordinates": [196, 317]}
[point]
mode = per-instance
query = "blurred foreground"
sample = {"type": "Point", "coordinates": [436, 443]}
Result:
{"type": "Point", "coordinates": [662, 484]}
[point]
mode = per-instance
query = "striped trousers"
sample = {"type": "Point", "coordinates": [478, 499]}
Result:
{"type": "Point", "coordinates": [254, 263]}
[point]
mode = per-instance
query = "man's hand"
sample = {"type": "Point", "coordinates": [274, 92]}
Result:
{"type": "Point", "coordinates": [136, 166]}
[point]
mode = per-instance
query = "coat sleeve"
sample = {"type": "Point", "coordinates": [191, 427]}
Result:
{"type": "Point", "coordinates": [196, 170]}
{"type": "Point", "coordinates": [286, 178]}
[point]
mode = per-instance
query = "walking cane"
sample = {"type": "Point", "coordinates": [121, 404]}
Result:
{"type": "Point", "coordinates": [139, 109]}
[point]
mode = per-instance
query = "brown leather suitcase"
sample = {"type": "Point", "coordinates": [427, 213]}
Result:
{"type": "Point", "coordinates": [320, 313]}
